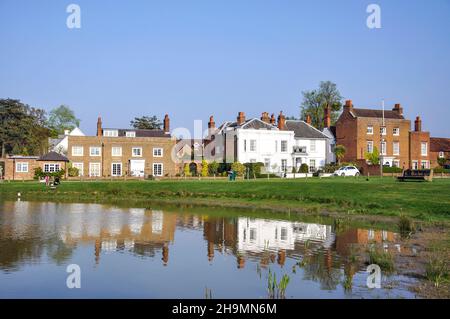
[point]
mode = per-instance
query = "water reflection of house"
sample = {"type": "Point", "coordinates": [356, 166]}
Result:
{"type": "Point", "coordinates": [361, 236]}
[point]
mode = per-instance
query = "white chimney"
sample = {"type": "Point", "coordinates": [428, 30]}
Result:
{"type": "Point", "coordinates": [66, 132]}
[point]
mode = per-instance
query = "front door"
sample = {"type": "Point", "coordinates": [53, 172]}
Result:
{"type": "Point", "coordinates": [137, 168]}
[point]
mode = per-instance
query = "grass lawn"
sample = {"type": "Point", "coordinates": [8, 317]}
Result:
{"type": "Point", "coordinates": [427, 201]}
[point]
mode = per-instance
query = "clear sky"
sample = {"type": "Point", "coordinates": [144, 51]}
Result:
{"type": "Point", "coordinates": [193, 59]}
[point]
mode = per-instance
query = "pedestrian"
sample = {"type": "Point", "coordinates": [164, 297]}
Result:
{"type": "Point", "coordinates": [47, 180]}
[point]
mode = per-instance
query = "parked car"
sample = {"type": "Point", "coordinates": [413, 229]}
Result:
{"type": "Point", "coordinates": [347, 171]}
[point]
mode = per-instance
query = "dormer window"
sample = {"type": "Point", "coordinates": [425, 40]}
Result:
{"type": "Point", "coordinates": [130, 134]}
{"type": "Point", "coordinates": [110, 133]}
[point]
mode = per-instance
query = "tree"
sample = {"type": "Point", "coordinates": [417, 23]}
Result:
{"type": "Point", "coordinates": [339, 152]}
{"type": "Point", "coordinates": [315, 101]}
{"type": "Point", "coordinates": [204, 168]}
{"type": "Point", "coordinates": [146, 123]}
{"type": "Point", "coordinates": [23, 128]}
{"type": "Point", "coordinates": [213, 168]}
{"type": "Point", "coordinates": [374, 157]}
{"type": "Point", "coordinates": [62, 118]}
{"type": "Point", "coordinates": [239, 168]}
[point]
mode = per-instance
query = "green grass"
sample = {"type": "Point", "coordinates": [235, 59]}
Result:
{"type": "Point", "coordinates": [427, 201]}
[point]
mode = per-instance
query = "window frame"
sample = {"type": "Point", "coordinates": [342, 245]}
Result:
{"type": "Point", "coordinates": [422, 144]}
{"type": "Point", "coordinates": [285, 142]}
{"type": "Point", "coordinates": [154, 171]}
{"type": "Point", "coordinates": [116, 147]}
{"type": "Point", "coordinates": [394, 131]}
{"type": "Point", "coordinates": [21, 165]}
{"type": "Point", "coordinates": [252, 147]}
{"type": "Point", "coordinates": [160, 149]}
{"type": "Point", "coordinates": [136, 148]}
{"type": "Point", "coordinates": [95, 147]}
{"type": "Point", "coordinates": [130, 134]}
{"type": "Point", "coordinates": [80, 170]}
{"type": "Point", "coordinates": [99, 169]}
{"type": "Point", "coordinates": [394, 152]}
{"type": "Point", "coordinates": [79, 147]}
{"type": "Point", "coordinates": [369, 132]}
{"type": "Point", "coordinates": [110, 133]}
{"type": "Point", "coordinates": [112, 169]}
{"type": "Point", "coordinates": [47, 167]}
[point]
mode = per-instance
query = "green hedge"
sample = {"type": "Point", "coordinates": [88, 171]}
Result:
{"type": "Point", "coordinates": [393, 169]}
{"type": "Point", "coordinates": [440, 170]}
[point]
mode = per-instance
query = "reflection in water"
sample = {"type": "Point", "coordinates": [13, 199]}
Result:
{"type": "Point", "coordinates": [31, 232]}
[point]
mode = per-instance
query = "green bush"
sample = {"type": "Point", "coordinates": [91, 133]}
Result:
{"type": "Point", "coordinates": [253, 169]}
{"type": "Point", "coordinates": [239, 168]}
{"type": "Point", "coordinates": [39, 173]}
{"type": "Point", "coordinates": [303, 168]}
{"type": "Point", "coordinates": [73, 171]}
{"type": "Point", "coordinates": [393, 169]}
{"type": "Point", "coordinates": [440, 170]}
{"type": "Point", "coordinates": [213, 168]}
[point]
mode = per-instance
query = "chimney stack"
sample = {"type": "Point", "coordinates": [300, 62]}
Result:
{"type": "Point", "coordinates": [241, 118]}
{"type": "Point", "coordinates": [211, 123]}
{"type": "Point", "coordinates": [308, 119]}
{"type": "Point", "coordinates": [281, 121]}
{"type": "Point", "coordinates": [265, 117]}
{"type": "Point", "coordinates": [327, 117]}
{"type": "Point", "coordinates": [99, 126]}
{"type": "Point", "coordinates": [418, 124]}
{"type": "Point", "coordinates": [166, 124]}
{"type": "Point", "coordinates": [398, 109]}
{"type": "Point", "coordinates": [272, 119]}
{"type": "Point", "coordinates": [348, 105]}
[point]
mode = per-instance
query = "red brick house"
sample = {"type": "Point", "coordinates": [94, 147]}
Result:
{"type": "Point", "coordinates": [361, 130]}
{"type": "Point", "coordinates": [439, 148]}
{"type": "Point", "coordinates": [19, 167]}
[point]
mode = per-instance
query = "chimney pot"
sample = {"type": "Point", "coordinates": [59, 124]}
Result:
{"type": "Point", "coordinates": [99, 126]}
{"type": "Point", "coordinates": [348, 104]}
{"type": "Point", "coordinates": [327, 117]}
{"type": "Point", "coordinates": [281, 121]}
{"type": "Point", "coordinates": [418, 124]}
{"type": "Point", "coordinates": [265, 117]}
{"type": "Point", "coordinates": [211, 123]}
{"type": "Point", "coordinates": [166, 125]}
{"type": "Point", "coordinates": [398, 108]}
{"type": "Point", "coordinates": [272, 119]}
{"type": "Point", "coordinates": [308, 119]}
{"type": "Point", "coordinates": [241, 118]}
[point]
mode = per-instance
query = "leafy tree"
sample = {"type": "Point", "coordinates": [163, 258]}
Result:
{"type": "Point", "coordinates": [239, 168]}
{"type": "Point", "coordinates": [23, 129]}
{"type": "Point", "coordinates": [213, 168]}
{"type": "Point", "coordinates": [374, 157]}
{"type": "Point", "coordinates": [204, 168]}
{"type": "Point", "coordinates": [339, 152]}
{"type": "Point", "coordinates": [146, 123]}
{"type": "Point", "coordinates": [62, 118]}
{"type": "Point", "coordinates": [315, 101]}
{"type": "Point", "coordinates": [441, 161]}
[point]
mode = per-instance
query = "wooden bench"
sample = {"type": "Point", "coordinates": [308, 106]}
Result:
{"type": "Point", "coordinates": [416, 175]}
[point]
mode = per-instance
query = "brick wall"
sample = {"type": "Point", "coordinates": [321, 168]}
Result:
{"type": "Point", "coordinates": [416, 140]}
{"type": "Point", "coordinates": [12, 174]}
{"type": "Point", "coordinates": [170, 168]}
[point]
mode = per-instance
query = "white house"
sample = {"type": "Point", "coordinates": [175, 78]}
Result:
{"type": "Point", "coordinates": [310, 145]}
{"type": "Point", "coordinates": [280, 146]}
{"type": "Point", "coordinates": [61, 143]}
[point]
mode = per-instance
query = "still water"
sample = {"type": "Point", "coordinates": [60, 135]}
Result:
{"type": "Point", "coordinates": [177, 253]}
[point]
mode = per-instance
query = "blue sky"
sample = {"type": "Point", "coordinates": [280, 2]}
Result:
{"type": "Point", "coordinates": [193, 59]}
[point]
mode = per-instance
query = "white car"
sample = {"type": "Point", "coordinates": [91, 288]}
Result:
{"type": "Point", "coordinates": [347, 171]}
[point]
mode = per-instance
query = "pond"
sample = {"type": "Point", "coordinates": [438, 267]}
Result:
{"type": "Point", "coordinates": [179, 253]}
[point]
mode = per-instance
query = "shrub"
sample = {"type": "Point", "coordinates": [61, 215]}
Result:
{"type": "Point", "coordinates": [204, 168]}
{"type": "Point", "coordinates": [381, 258]}
{"type": "Point", "coordinates": [186, 170]}
{"type": "Point", "coordinates": [213, 168]}
{"type": "Point", "coordinates": [73, 171]}
{"type": "Point", "coordinates": [440, 170]}
{"type": "Point", "coordinates": [39, 173]}
{"type": "Point", "coordinates": [393, 169]}
{"type": "Point", "coordinates": [239, 168]}
{"type": "Point", "coordinates": [303, 168]}
{"type": "Point", "coordinates": [253, 169]}
{"type": "Point", "coordinates": [405, 226]}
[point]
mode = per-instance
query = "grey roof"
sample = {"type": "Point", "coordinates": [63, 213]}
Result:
{"type": "Point", "coordinates": [254, 123]}
{"type": "Point", "coordinates": [54, 141]}
{"type": "Point", "coordinates": [141, 132]}
{"type": "Point", "coordinates": [303, 129]}
{"type": "Point", "coordinates": [53, 156]}
{"type": "Point", "coordinates": [376, 113]}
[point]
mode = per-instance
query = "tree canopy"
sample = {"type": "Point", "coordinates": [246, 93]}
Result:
{"type": "Point", "coordinates": [315, 101]}
{"type": "Point", "coordinates": [23, 129]}
{"type": "Point", "coordinates": [62, 118]}
{"type": "Point", "coordinates": [146, 122]}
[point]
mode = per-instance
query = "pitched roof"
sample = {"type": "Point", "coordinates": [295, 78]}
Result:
{"type": "Point", "coordinates": [439, 144]}
{"type": "Point", "coordinates": [253, 123]}
{"type": "Point", "coordinates": [303, 129]}
{"type": "Point", "coordinates": [376, 113]}
{"type": "Point", "coordinates": [141, 132]}
{"type": "Point", "coordinates": [53, 156]}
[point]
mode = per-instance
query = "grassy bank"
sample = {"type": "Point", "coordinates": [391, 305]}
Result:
{"type": "Point", "coordinates": [349, 196]}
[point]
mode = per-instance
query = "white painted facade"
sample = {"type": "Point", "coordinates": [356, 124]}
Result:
{"type": "Point", "coordinates": [331, 143]}
{"type": "Point", "coordinates": [63, 144]}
